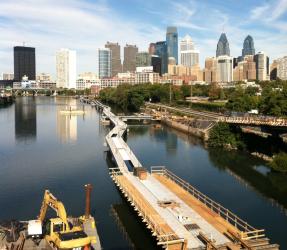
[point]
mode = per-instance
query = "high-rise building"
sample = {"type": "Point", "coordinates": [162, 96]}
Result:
{"type": "Point", "coordinates": [188, 55]}
{"type": "Point", "coordinates": [116, 65]}
{"type": "Point", "coordinates": [245, 69]}
{"type": "Point", "coordinates": [210, 70]}
{"type": "Point", "coordinates": [105, 63]}
{"type": "Point", "coordinates": [248, 46]}
{"type": "Point", "coordinates": [130, 52]}
{"type": "Point", "coordinates": [24, 63]}
{"type": "Point", "coordinates": [274, 70]}
{"type": "Point", "coordinates": [7, 76]}
{"type": "Point", "coordinates": [143, 59]}
{"type": "Point", "coordinates": [282, 68]}
{"type": "Point", "coordinates": [151, 49]}
{"type": "Point", "coordinates": [224, 69]}
{"type": "Point", "coordinates": [66, 68]}
{"type": "Point", "coordinates": [222, 46]}
{"type": "Point", "coordinates": [156, 64]}
{"type": "Point", "coordinates": [43, 77]}
{"type": "Point", "coordinates": [161, 51]}
{"type": "Point", "coordinates": [172, 43]}
{"type": "Point", "coordinates": [262, 66]}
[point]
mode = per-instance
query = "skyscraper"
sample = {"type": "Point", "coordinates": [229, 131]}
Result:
{"type": "Point", "coordinates": [116, 65]}
{"type": "Point", "coordinates": [248, 46]}
{"type": "Point", "coordinates": [172, 43]}
{"type": "Point", "coordinates": [161, 51]}
{"type": "Point", "coordinates": [262, 66]}
{"type": "Point", "coordinates": [66, 69]}
{"type": "Point", "coordinates": [105, 63]}
{"type": "Point", "coordinates": [224, 69]}
{"type": "Point", "coordinates": [210, 70]}
{"type": "Point", "coordinates": [188, 55]}
{"type": "Point", "coordinates": [143, 59]}
{"type": "Point", "coordinates": [24, 63]}
{"type": "Point", "coordinates": [151, 49]}
{"type": "Point", "coordinates": [130, 52]}
{"type": "Point", "coordinates": [156, 63]}
{"type": "Point", "coordinates": [222, 46]}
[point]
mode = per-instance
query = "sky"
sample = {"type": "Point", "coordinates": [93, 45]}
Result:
{"type": "Point", "coordinates": [86, 25]}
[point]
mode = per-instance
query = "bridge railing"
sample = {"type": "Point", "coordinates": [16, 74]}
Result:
{"type": "Point", "coordinates": [247, 231]}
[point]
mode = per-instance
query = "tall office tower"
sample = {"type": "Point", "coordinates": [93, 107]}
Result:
{"type": "Point", "coordinates": [130, 52]}
{"type": "Point", "coordinates": [156, 63]}
{"type": "Point", "coordinates": [116, 65]}
{"type": "Point", "coordinates": [248, 46]}
{"type": "Point", "coordinates": [274, 70]}
{"type": "Point", "coordinates": [151, 49]}
{"type": "Point", "coordinates": [24, 63]}
{"type": "Point", "coordinates": [66, 68]}
{"type": "Point", "coordinates": [262, 66]}
{"type": "Point", "coordinates": [161, 51]}
{"type": "Point", "coordinates": [224, 69]}
{"type": "Point", "coordinates": [172, 43]}
{"type": "Point", "coordinates": [222, 46]}
{"type": "Point", "coordinates": [210, 70]}
{"type": "Point", "coordinates": [282, 68]}
{"type": "Point", "coordinates": [105, 63]}
{"type": "Point", "coordinates": [7, 76]}
{"type": "Point", "coordinates": [143, 59]}
{"type": "Point", "coordinates": [188, 55]}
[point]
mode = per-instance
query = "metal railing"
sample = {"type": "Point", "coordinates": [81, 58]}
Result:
{"type": "Point", "coordinates": [153, 221]}
{"type": "Point", "coordinates": [247, 231]}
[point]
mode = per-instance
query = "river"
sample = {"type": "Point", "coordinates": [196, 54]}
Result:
{"type": "Point", "coordinates": [42, 149]}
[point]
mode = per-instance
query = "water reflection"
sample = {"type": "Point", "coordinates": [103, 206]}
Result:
{"type": "Point", "coordinates": [66, 125]}
{"type": "Point", "coordinates": [25, 119]}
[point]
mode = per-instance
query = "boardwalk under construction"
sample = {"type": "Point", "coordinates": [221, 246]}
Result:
{"type": "Point", "coordinates": [177, 214]}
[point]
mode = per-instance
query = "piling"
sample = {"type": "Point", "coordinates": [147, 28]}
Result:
{"type": "Point", "coordinates": [88, 189]}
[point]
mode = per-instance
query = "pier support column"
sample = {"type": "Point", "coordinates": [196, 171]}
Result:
{"type": "Point", "coordinates": [88, 189]}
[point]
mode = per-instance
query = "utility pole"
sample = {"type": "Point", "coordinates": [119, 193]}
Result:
{"type": "Point", "coordinates": [170, 94]}
{"type": "Point", "coordinates": [190, 94]}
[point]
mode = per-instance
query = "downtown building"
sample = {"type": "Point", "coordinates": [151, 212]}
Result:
{"type": "Point", "coordinates": [245, 69]}
{"type": "Point", "coordinates": [143, 59]}
{"type": "Point", "coordinates": [24, 63]}
{"type": "Point", "coordinates": [172, 43]}
{"type": "Point", "coordinates": [105, 62]}
{"type": "Point", "coordinates": [282, 68]}
{"type": "Point", "coordinates": [188, 55]}
{"type": "Point", "coordinates": [115, 55]}
{"type": "Point", "coordinates": [224, 69]}
{"type": "Point", "coordinates": [248, 47]}
{"type": "Point", "coordinates": [222, 46]}
{"type": "Point", "coordinates": [161, 52]}
{"type": "Point", "coordinates": [210, 70]}
{"type": "Point", "coordinates": [262, 66]}
{"type": "Point", "coordinates": [66, 68]}
{"type": "Point", "coordinates": [130, 52]}
{"type": "Point", "coordinates": [86, 80]}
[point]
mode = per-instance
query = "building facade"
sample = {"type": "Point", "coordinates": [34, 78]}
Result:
{"type": "Point", "coordinates": [43, 77]}
{"type": "Point", "coordinates": [86, 80]}
{"type": "Point", "coordinates": [282, 68]}
{"type": "Point", "coordinates": [172, 42]}
{"type": "Point", "coordinates": [210, 70]}
{"type": "Point", "coordinates": [188, 55]}
{"type": "Point", "coordinates": [115, 54]}
{"type": "Point", "coordinates": [24, 63]}
{"type": "Point", "coordinates": [161, 52]}
{"type": "Point", "coordinates": [156, 63]}
{"type": "Point", "coordinates": [151, 49]}
{"type": "Point", "coordinates": [262, 66]}
{"type": "Point", "coordinates": [66, 68]}
{"type": "Point", "coordinates": [248, 46]}
{"type": "Point", "coordinates": [245, 69]}
{"type": "Point", "coordinates": [224, 69]}
{"type": "Point", "coordinates": [105, 63]}
{"type": "Point", "coordinates": [222, 46]}
{"type": "Point", "coordinates": [130, 52]}
{"type": "Point", "coordinates": [143, 59]}
{"type": "Point", "coordinates": [7, 76]}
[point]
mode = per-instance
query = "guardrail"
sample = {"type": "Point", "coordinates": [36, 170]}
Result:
{"type": "Point", "coordinates": [153, 222]}
{"type": "Point", "coordinates": [247, 231]}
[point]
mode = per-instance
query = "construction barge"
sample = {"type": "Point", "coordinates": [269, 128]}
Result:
{"type": "Point", "coordinates": [177, 215]}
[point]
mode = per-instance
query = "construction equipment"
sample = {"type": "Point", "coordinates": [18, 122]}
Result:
{"type": "Point", "coordinates": [59, 232]}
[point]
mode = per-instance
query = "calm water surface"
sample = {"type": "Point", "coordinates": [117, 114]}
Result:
{"type": "Point", "coordinates": [41, 149]}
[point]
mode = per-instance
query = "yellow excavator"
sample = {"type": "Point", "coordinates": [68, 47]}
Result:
{"type": "Point", "coordinates": [58, 232]}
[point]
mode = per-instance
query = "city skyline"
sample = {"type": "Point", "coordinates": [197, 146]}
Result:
{"type": "Point", "coordinates": [144, 24]}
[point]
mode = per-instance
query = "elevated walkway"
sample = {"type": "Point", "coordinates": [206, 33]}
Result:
{"type": "Point", "coordinates": [178, 215]}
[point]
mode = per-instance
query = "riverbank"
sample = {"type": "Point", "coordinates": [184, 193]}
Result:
{"type": "Point", "coordinates": [6, 100]}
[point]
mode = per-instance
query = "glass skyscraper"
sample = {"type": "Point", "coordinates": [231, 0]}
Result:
{"type": "Point", "coordinates": [161, 51]}
{"type": "Point", "coordinates": [222, 46]}
{"type": "Point", "coordinates": [104, 63]}
{"type": "Point", "coordinates": [248, 46]}
{"type": "Point", "coordinates": [172, 43]}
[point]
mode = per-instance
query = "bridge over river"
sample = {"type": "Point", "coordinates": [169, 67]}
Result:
{"type": "Point", "coordinates": [177, 215]}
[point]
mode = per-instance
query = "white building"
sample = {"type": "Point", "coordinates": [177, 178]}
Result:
{"type": "Point", "coordinates": [86, 80]}
{"type": "Point", "coordinates": [262, 66]}
{"type": "Point", "coordinates": [43, 77]}
{"type": "Point", "coordinates": [224, 69]}
{"type": "Point", "coordinates": [66, 68]}
{"type": "Point", "coordinates": [146, 69]}
{"type": "Point", "coordinates": [282, 68]}
{"type": "Point", "coordinates": [189, 56]}
{"type": "Point", "coordinates": [147, 77]}
{"type": "Point", "coordinates": [7, 76]}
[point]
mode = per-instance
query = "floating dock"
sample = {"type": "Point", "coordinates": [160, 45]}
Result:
{"type": "Point", "coordinates": [177, 214]}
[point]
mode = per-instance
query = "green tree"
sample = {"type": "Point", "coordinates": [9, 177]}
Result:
{"type": "Point", "coordinates": [279, 162]}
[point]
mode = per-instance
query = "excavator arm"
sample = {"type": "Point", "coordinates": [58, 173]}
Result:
{"type": "Point", "coordinates": [51, 201]}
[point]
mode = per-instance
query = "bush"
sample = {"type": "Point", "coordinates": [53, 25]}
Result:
{"type": "Point", "coordinates": [279, 162]}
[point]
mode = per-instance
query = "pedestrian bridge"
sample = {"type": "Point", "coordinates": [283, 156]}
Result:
{"type": "Point", "coordinates": [178, 215]}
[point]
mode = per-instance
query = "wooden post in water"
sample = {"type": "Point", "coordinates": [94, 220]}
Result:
{"type": "Point", "coordinates": [88, 189]}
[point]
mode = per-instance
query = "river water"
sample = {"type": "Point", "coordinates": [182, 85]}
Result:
{"type": "Point", "coordinates": [41, 149]}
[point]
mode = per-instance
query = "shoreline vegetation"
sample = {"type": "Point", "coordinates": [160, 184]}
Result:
{"type": "Point", "coordinates": [270, 101]}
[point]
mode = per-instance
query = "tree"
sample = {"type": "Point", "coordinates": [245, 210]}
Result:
{"type": "Point", "coordinates": [214, 92]}
{"type": "Point", "coordinates": [279, 162]}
